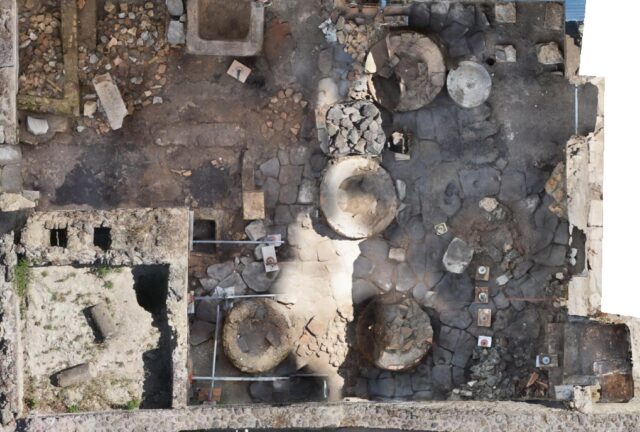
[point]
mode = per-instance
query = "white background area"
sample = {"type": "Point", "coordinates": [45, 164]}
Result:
{"type": "Point", "coordinates": [611, 48]}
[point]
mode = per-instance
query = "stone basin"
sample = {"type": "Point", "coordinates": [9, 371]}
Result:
{"type": "Point", "coordinates": [225, 28]}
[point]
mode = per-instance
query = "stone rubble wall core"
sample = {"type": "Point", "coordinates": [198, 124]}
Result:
{"type": "Point", "coordinates": [8, 71]}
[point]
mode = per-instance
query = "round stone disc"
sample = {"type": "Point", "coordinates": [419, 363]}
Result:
{"type": "Point", "coordinates": [469, 85]}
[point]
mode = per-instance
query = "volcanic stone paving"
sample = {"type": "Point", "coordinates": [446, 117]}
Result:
{"type": "Point", "coordinates": [481, 171]}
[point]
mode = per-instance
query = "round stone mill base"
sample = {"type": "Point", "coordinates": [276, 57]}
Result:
{"type": "Point", "coordinates": [256, 336]}
{"type": "Point", "coordinates": [469, 85]}
{"type": "Point", "coordinates": [394, 332]}
{"type": "Point", "coordinates": [407, 71]}
{"type": "Point", "coordinates": [358, 197]}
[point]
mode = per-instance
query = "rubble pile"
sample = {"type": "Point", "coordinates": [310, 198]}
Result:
{"type": "Point", "coordinates": [329, 340]}
{"type": "Point", "coordinates": [355, 128]}
{"type": "Point", "coordinates": [356, 37]}
{"type": "Point", "coordinates": [133, 49]}
{"type": "Point", "coordinates": [284, 115]}
{"type": "Point", "coordinates": [41, 57]}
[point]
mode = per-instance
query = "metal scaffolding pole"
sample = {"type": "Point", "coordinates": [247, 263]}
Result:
{"type": "Point", "coordinates": [215, 352]}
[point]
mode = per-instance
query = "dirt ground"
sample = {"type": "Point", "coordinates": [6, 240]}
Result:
{"type": "Point", "coordinates": [61, 334]}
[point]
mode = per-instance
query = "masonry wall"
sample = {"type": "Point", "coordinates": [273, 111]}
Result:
{"type": "Point", "coordinates": [140, 236]}
{"type": "Point", "coordinates": [8, 71]}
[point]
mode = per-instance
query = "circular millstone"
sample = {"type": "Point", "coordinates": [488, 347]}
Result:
{"type": "Point", "coordinates": [469, 85]}
{"type": "Point", "coordinates": [257, 335]}
{"type": "Point", "coordinates": [358, 197]}
{"type": "Point", "coordinates": [406, 70]}
{"type": "Point", "coordinates": [394, 332]}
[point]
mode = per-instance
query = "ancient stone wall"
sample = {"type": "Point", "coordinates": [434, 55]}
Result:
{"type": "Point", "coordinates": [432, 416]}
{"type": "Point", "coordinates": [10, 364]}
{"type": "Point", "coordinates": [10, 155]}
{"type": "Point", "coordinates": [8, 70]}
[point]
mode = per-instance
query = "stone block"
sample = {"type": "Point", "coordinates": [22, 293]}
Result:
{"type": "Point", "coordinates": [549, 54]}
{"type": "Point", "coordinates": [505, 13]}
{"type": "Point", "coordinates": [505, 54]}
{"type": "Point", "coordinates": [175, 7]}
{"type": "Point", "coordinates": [457, 256]}
{"type": "Point", "coordinates": [9, 155]}
{"type": "Point", "coordinates": [175, 33]}
{"type": "Point", "coordinates": [239, 71]}
{"type": "Point", "coordinates": [255, 230]}
{"type": "Point", "coordinates": [11, 179]}
{"type": "Point", "coordinates": [253, 205]}
{"type": "Point", "coordinates": [37, 126]}
{"type": "Point", "coordinates": [111, 100]}
{"type": "Point", "coordinates": [554, 16]}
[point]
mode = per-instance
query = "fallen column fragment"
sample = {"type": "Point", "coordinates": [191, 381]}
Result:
{"type": "Point", "coordinates": [102, 319]}
{"type": "Point", "coordinates": [74, 375]}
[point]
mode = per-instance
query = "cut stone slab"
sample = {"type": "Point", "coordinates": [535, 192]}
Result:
{"type": "Point", "coordinates": [384, 387]}
{"type": "Point", "coordinates": [256, 230]}
{"type": "Point", "coordinates": [11, 179]}
{"type": "Point", "coordinates": [256, 278]}
{"type": "Point", "coordinates": [554, 16]}
{"type": "Point", "coordinates": [298, 155]}
{"type": "Point", "coordinates": [200, 332]}
{"type": "Point", "coordinates": [220, 271]}
{"type": "Point", "coordinates": [307, 192]}
{"type": "Point", "coordinates": [549, 53]}
{"type": "Point", "coordinates": [514, 186]}
{"type": "Point", "coordinates": [175, 7]}
{"type": "Point", "coordinates": [458, 256]}
{"type": "Point", "coordinates": [290, 174]}
{"type": "Point", "coordinates": [9, 154]}
{"type": "Point", "coordinates": [505, 13]}
{"type": "Point", "coordinates": [239, 71]}
{"type": "Point", "coordinates": [209, 284]}
{"type": "Point", "coordinates": [480, 182]}
{"type": "Point", "coordinates": [441, 375]}
{"type": "Point", "coordinates": [271, 168]}
{"type": "Point", "coordinates": [253, 205]}
{"type": "Point", "coordinates": [37, 126]}
{"type": "Point", "coordinates": [460, 319]}
{"type": "Point", "coordinates": [235, 281]}
{"type": "Point", "coordinates": [506, 54]}
{"type": "Point", "coordinates": [175, 33]}
{"type": "Point", "coordinates": [111, 100]}
{"type": "Point", "coordinates": [10, 202]}
{"type": "Point", "coordinates": [206, 310]}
